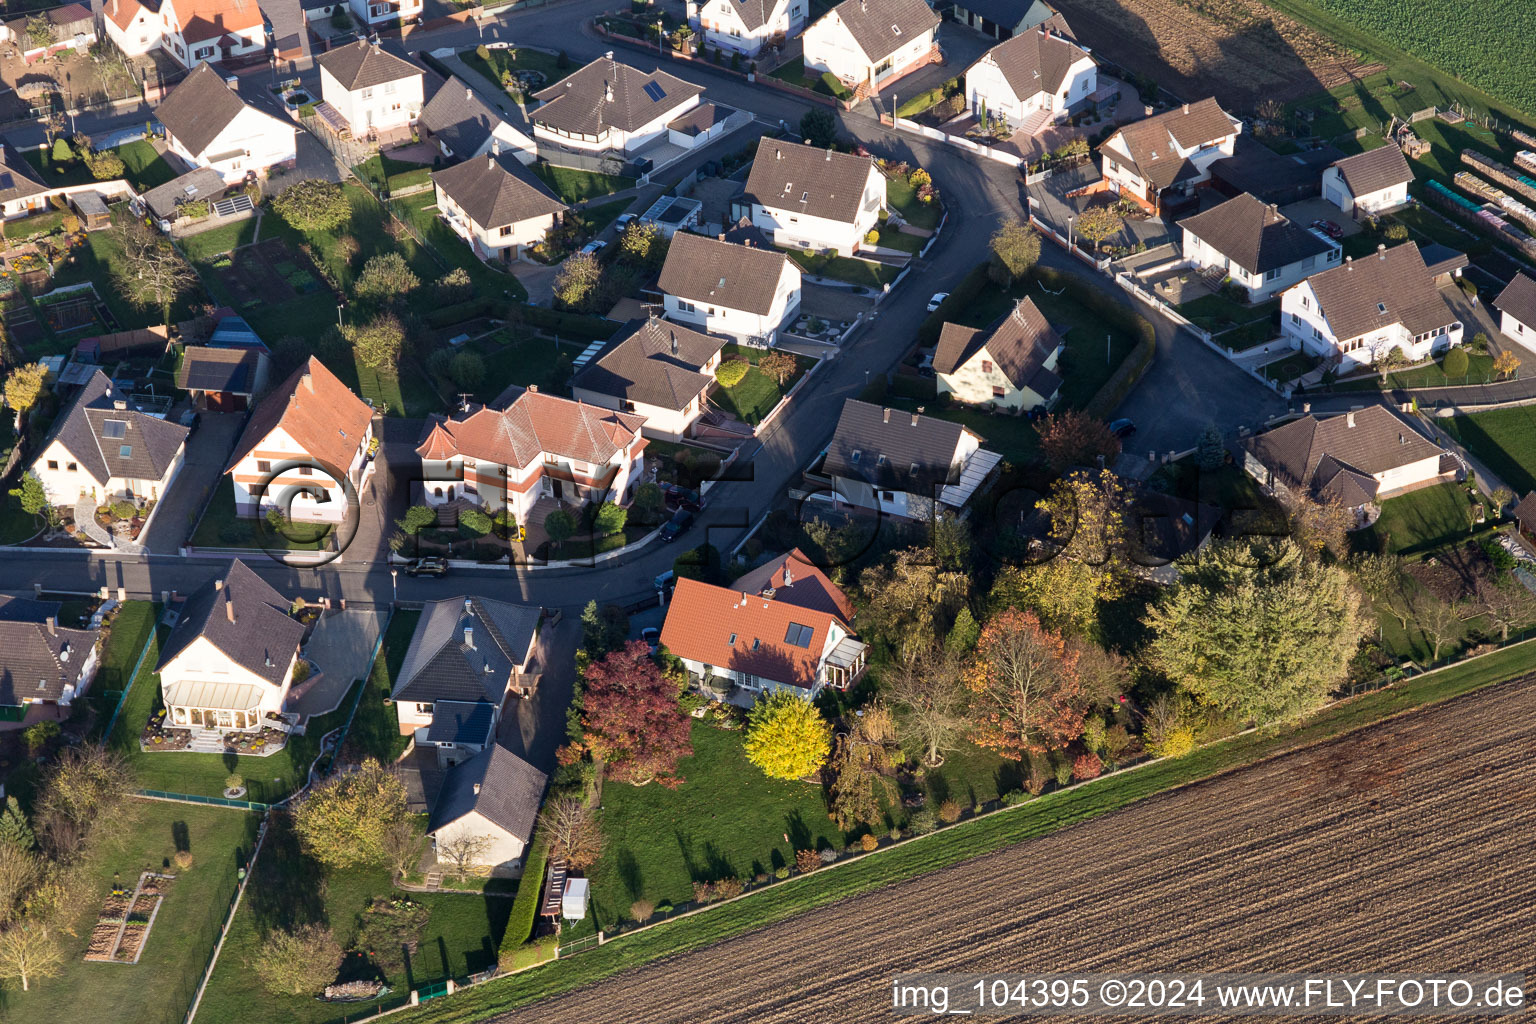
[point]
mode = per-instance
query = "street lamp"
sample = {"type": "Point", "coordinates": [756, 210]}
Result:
{"type": "Point", "coordinates": [1069, 234]}
{"type": "Point", "coordinates": [394, 583]}
{"type": "Point", "coordinates": [661, 40]}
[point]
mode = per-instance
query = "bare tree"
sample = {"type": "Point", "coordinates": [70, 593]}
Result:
{"type": "Point", "coordinates": [404, 845]}
{"type": "Point", "coordinates": [28, 954]}
{"type": "Point", "coordinates": [931, 699]}
{"type": "Point", "coordinates": [572, 831]}
{"type": "Point", "coordinates": [1505, 602]}
{"type": "Point", "coordinates": [20, 871]}
{"type": "Point", "coordinates": [1440, 621]}
{"type": "Point", "coordinates": [153, 271]}
{"type": "Point", "coordinates": [1385, 583]}
{"type": "Point", "coordinates": [463, 851]}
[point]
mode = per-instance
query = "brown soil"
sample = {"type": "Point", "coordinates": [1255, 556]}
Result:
{"type": "Point", "coordinates": [133, 938]}
{"type": "Point", "coordinates": [1237, 50]}
{"type": "Point", "coordinates": [102, 938]}
{"type": "Point", "coordinates": [1404, 847]}
{"type": "Point", "coordinates": [1452, 575]}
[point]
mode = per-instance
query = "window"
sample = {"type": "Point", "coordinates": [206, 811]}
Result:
{"type": "Point", "coordinates": [798, 635]}
{"type": "Point", "coordinates": [125, 451]}
{"type": "Point", "coordinates": [424, 709]}
{"type": "Point", "coordinates": [1272, 275]}
{"type": "Point", "coordinates": [389, 87]}
{"type": "Point", "coordinates": [368, 94]}
{"type": "Point", "coordinates": [854, 458]}
{"type": "Point", "coordinates": [1334, 254]}
{"type": "Point", "coordinates": [684, 306]}
{"type": "Point", "coordinates": [654, 91]}
{"type": "Point", "coordinates": [71, 467]}
{"type": "Point", "coordinates": [114, 428]}
{"type": "Point", "coordinates": [1381, 307]}
{"type": "Point", "coordinates": [1306, 303]}
{"type": "Point", "coordinates": [202, 53]}
{"type": "Point", "coordinates": [263, 466]}
{"type": "Point", "coordinates": [53, 463]}
{"type": "Point", "coordinates": [306, 471]}
{"type": "Point", "coordinates": [732, 641]}
{"type": "Point", "coordinates": [1295, 318]}
{"type": "Point", "coordinates": [986, 366]}
{"type": "Point", "coordinates": [506, 230]}
{"type": "Point", "coordinates": [1317, 334]}
{"type": "Point", "coordinates": [997, 391]}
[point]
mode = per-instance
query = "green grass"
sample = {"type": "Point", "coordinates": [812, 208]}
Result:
{"type": "Point", "coordinates": [1292, 366]}
{"type": "Point", "coordinates": [16, 525]}
{"type": "Point", "coordinates": [516, 60]}
{"type": "Point", "coordinates": [376, 729]}
{"type": "Point", "coordinates": [577, 186]}
{"type": "Point", "coordinates": [420, 211]}
{"type": "Point", "coordinates": [204, 246]}
{"type": "Point", "coordinates": [159, 988]}
{"type": "Point", "coordinates": [1430, 375]}
{"type": "Point", "coordinates": [288, 888]}
{"type": "Point", "coordinates": [94, 262]}
{"type": "Point", "coordinates": [874, 276]}
{"type": "Point", "coordinates": [223, 527]}
{"type": "Point", "coordinates": [1418, 521]}
{"type": "Point", "coordinates": [384, 171]}
{"type": "Point", "coordinates": [132, 628]}
{"type": "Point", "coordinates": [795, 74]}
{"type": "Point", "coordinates": [752, 399]}
{"type": "Point", "coordinates": [972, 839]}
{"type": "Point", "coordinates": [596, 218]}
{"type": "Point", "coordinates": [515, 357]}
{"type": "Point", "coordinates": [143, 167]}
{"type": "Point", "coordinates": [35, 225]}
{"type": "Point", "coordinates": [1218, 312]}
{"type": "Point", "coordinates": [890, 238]}
{"type": "Point", "coordinates": [902, 198]}
{"type": "Point", "coordinates": [1504, 439]}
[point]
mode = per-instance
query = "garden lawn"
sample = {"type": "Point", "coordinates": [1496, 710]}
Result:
{"type": "Point", "coordinates": [143, 167]}
{"type": "Point", "coordinates": [1219, 312]}
{"type": "Point", "coordinates": [223, 527]}
{"type": "Point", "coordinates": [902, 198]}
{"type": "Point", "coordinates": [1292, 366]}
{"type": "Point", "coordinates": [16, 525]}
{"type": "Point", "coordinates": [874, 276]}
{"type": "Point", "coordinates": [794, 73]}
{"type": "Point", "coordinates": [727, 820]}
{"type": "Point", "coordinates": [386, 172]}
{"type": "Point", "coordinates": [159, 988]}
{"type": "Point", "coordinates": [752, 399]}
{"type": "Point", "coordinates": [576, 186]}
{"type": "Point", "coordinates": [420, 211]}
{"type": "Point", "coordinates": [1418, 521]}
{"type": "Point", "coordinates": [375, 730]}
{"type": "Point", "coordinates": [288, 888]}
{"type": "Point", "coordinates": [95, 262]}
{"type": "Point", "coordinates": [1430, 375]}
{"type": "Point", "coordinates": [131, 629]}
{"type": "Point", "coordinates": [515, 357]}
{"type": "Point", "coordinates": [972, 838]}
{"type": "Point", "coordinates": [1504, 439]}
{"type": "Point", "coordinates": [204, 246]}
{"type": "Point", "coordinates": [511, 59]}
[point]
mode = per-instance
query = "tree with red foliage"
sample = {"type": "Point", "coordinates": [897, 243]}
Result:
{"type": "Point", "coordinates": [1073, 438]}
{"type": "Point", "coordinates": [1030, 695]}
{"type": "Point", "coordinates": [632, 721]}
{"type": "Point", "coordinates": [1087, 766]}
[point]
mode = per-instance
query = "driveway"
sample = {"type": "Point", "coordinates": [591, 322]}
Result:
{"type": "Point", "coordinates": [533, 728]}
{"type": "Point", "coordinates": [313, 161]}
{"type": "Point", "coordinates": [208, 450]}
{"type": "Point", "coordinates": [341, 648]}
{"type": "Point", "coordinates": [833, 303]}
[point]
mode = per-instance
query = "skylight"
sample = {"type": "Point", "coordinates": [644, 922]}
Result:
{"type": "Point", "coordinates": [114, 428]}
{"type": "Point", "coordinates": [896, 29]}
{"type": "Point", "coordinates": [1381, 307]}
{"type": "Point", "coordinates": [798, 635]}
{"type": "Point", "coordinates": [125, 451]}
{"type": "Point", "coordinates": [654, 91]}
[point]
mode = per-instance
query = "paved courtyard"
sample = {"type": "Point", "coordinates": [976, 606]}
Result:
{"type": "Point", "coordinates": [341, 648]}
{"type": "Point", "coordinates": [208, 449]}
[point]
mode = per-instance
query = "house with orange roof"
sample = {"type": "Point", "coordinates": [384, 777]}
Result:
{"type": "Point", "coordinates": [784, 627]}
{"type": "Point", "coordinates": [191, 31]}
{"type": "Point", "coordinates": [529, 445]}
{"type": "Point", "coordinates": [307, 449]}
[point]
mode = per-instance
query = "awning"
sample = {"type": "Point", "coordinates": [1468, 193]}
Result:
{"type": "Point", "coordinates": [847, 654]}
{"type": "Point", "coordinates": [976, 469]}
{"type": "Point", "coordinates": [219, 696]}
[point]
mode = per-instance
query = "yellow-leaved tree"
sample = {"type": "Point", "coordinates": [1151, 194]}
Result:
{"type": "Point", "coordinates": [787, 737]}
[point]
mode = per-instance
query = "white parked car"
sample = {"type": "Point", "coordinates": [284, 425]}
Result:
{"type": "Point", "coordinates": [595, 246]}
{"type": "Point", "coordinates": [938, 297]}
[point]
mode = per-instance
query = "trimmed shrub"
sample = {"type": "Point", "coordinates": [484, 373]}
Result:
{"type": "Point", "coordinates": [1455, 363]}
{"type": "Point", "coordinates": [732, 372]}
{"type": "Point", "coordinates": [807, 861]}
{"type": "Point", "coordinates": [781, 872]}
{"type": "Point", "coordinates": [828, 855]}
{"type": "Point", "coordinates": [868, 842]}
{"type": "Point", "coordinates": [922, 822]}
{"type": "Point", "coordinates": [525, 905]}
{"type": "Point", "coordinates": [641, 910]}
{"type": "Point", "coordinates": [949, 811]}
{"type": "Point", "coordinates": [1087, 766]}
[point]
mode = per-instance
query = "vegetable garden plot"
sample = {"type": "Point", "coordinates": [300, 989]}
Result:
{"type": "Point", "coordinates": [123, 926]}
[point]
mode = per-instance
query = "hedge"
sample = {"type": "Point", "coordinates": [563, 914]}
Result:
{"type": "Point", "coordinates": [525, 905]}
{"type": "Point", "coordinates": [446, 316]}
{"type": "Point", "coordinates": [835, 86]}
{"type": "Point", "coordinates": [569, 325]}
{"type": "Point", "coordinates": [923, 100]}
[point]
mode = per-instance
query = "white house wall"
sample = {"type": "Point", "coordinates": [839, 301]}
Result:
{"type": "Point", "coordinates": [383, 107]}
{"type": "Point", "coordinates": [972, 384]}
{"type": "Point", "coordinates": [793, 230]}
{"type": "Point", "coordinates": [987, 86]}
{"type": "Point", "coordinates": [502, 850]}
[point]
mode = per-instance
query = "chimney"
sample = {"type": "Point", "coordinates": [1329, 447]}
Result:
{"type": "Point", "coordinates": [1186, 108]}
{"type": "Point", "coordinates": [720, 237]}
{"type": "Point", "coordinates": [778, 154]}
{"type": "Point", "coordinates": [218, 584]}
{"type": "Point", "coordinates": [53, 625]}
{"type": "Point", "coordinates": [744, 598]}
{"type": "Point", "coordinates": [1349, 263]}
{"type": "Point", "coordinates": [120, 403]}
{"type": "Point", "coordinates": [674, 342]}
{"type": "Point", "coordinates": [533, 389]}
{"type": "Point", "coordinates": [1349, 419]}
{"type": "Point", "coordinates": [829, 154]}
{"type": "Point", "coordinates": [307, 382]}
{"type": "Point", "coordinates": [914, 419]}
{"type": "Point", "coordinates": [608, 55]}
{"type": "Point", "coordinates": [469, 637]}
{"type": "Point", "coordinates": [885, 415]}
{"type": "Point", "coordinates": [477, 789]}
{"type": "Point", "coordinates": [1381, 250]}
{"type": "Point", "coordinates": [229, 608]}
{"type": "Point", "coordinates": [469, 93]}
{"type": "Point", "coordinates": [496, 147]}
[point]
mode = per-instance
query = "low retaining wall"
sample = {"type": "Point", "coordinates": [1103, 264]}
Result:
{"type": "Point", "coordinates": [961, 142]}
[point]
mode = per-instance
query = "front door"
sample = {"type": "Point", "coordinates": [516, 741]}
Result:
{"type": "Point", "coordinates": [559, 488]}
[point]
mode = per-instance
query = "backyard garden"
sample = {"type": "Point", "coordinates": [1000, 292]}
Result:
{"type": "Point", "coordinates": [1504, 439]}
{"type": "Point", "coordinates": [757, 393]}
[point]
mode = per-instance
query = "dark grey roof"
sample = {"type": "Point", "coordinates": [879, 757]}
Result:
{"type": "Point", "coordinates": [653, 361]}
{"type": "Point", "coordinates": [441, 666]}
{"type": "Point", "coordinates": [497, 190]}
{"type": "Point", "coordinates": [242, 616]}
{"type": "Point", "coordinates": [457, 721]}
{"type": "Point", "coordinates": [1391, 286]}
{"type": "Point", "coordinates": [144, 451]}
{"type": "Point", "coordinates": [36, 664]}
{"type": "Point", "coordinates": [1525, 512]}
{"type": "Point", "coordinates": [198, 183]}
{"type": "Point", "coordinates": [1149, 142]}
{"type": "Point", "coordinates": [502, 787]}
{"type": "Point", "coordinates": [1017, 15]}
{"type": "Point", "coordinates": [199, 108]}
{"type": "Point", "coordinates": [1255, 168]}
{"type": "Point", "coordinates": [459, 119]}
{"type": "Point", "coordinates": [701, 118]}
{"type": "Point", "coordinates": [289, 33]}
{"type": "Point", "coordinates": [1019, 344]}
{"type": "Point", "coordinates": [360, 65]}
{"type": "Point", "coordinates": [809, 181]}
{"type": "Point", "coordinates": [1374, 170]}
{"type": "Point", "coordinates": [1034, 62]}
{"type": "Point", "coordinates": [1168, 527]}
{"type": "Point", "coordinates": [881, 27]}
{"type": "Point", "coordinates": [219, 369]}
{"type": "Point", "coordinates": [26, 609]}
{"type": "Point", "coordinates": [1254, 235]}
{"type": "Point", "coordinates": [1518, 299]}
{"type": "Point", "coordinates": [1311, 453]}
{"type": "Point", "coordinates": [722, 273]}
{"type": "Point", "coordinates": [18, 180]}
{"type": "Point", "coordinates": [607, 94]}
{"type": "Point", "coordinates": [894, 449]}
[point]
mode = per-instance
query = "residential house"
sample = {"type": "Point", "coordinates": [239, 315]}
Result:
{"type": "Point", "coordinates": [71, 28]}
{"type": "Point", "coordinates": [759, 636]}
{"type": "Point", "coordinates": [1517, 311]}
{"type": "Point", "coordinates": [1004, 19]}
{"type": "Point", "coordinates": [1250, 242]}
{"type": "Point", "coordinates": [466, 651]}
{"type": "Point", "coordinates": [222, 379]}
{"type": "Point", "coordinates": [1368, 183]}
{"type": "Point", "coordinates": [869, 44]}
{"type": "Point", "coordinates": [747, 26]}
{"type": "Point", "coordinates": [487, 806]}
{"type": "Point", "coordinates": [103, 446]}
{"type": "Point", "coordinates": [699, 126]}
{"type": "Point", "coordinates": [208, 125]}
{"type": "Point", "coordinates": [808, 198]}
{"type": "Point", "coordinates": [368, 91]}
{"type": "Point", "coordinates": [190, 31]}
{"type": "Point", "coordinates": [41, 662]}
{"type": "Point", "coordinates": [724, 288]}
{"type": "Point", "coordinates": [1358, 312]}
{"type": "Point", "coordinates": [1010, 365]}
{"type": "Point", "coordinates": [1032, 80]}
{"type": "Point", "coordinates": [386, 14]}
{"type": "Point", "coordinates": [1159, 161]}
{"type": "Point", "coordinates": [165, 203]}
{"type": "Point", "coordinates": [657, 370]}
{"type": "Point", "coordinates": [529, 445]}
{"type": "Point", "coordinates": [609, 107]}
{"type": "Point", "coordinates": [21, 190]}
{"type": "Point", "coordinates": [1354, 459]}
{"type": "Point", "coordinates": [463, 125]}
{"type": "Point", "coordinates": [903, 463]}
{"type": "Point", "coordinates": [229, 660]}
{"type": "Point", "coordinates": [496, 204]}
{"type": "Point", "coordinates": [1525, 521]}
{"type": "Point", "coordinates": [306, 449]}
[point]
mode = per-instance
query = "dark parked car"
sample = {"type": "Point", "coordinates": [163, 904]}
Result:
{"type": "Point", "coordinates": [427, 567]}
{"type": "Point", "coordinates": [1329, 228]}
{"type": "Point", "coordinates": [1122, 428]}
{"type": "Point", "coordinates": [652, 636]}
{"type": "Point", "coordinates": [677, 525]}
{"type": "Point", "coordinates": [675, 497]}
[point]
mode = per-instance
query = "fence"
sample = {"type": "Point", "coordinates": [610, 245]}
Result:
{"type": "Point", "coordinates": [209, 801]}
{"type": "Point", "coordinates": [225, 920]}
{"type": "Point", "coordinates": [959, 142]}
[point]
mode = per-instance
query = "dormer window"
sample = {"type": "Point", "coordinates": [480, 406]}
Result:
{"type": "Point", "coordinates": [855, 456]}
{"type": "Point", "coordinates": [733, 640]}
{"type": "Point", "coordinates": [896, 30]}
{"type": "Point", "coordinates": [1381, 307]}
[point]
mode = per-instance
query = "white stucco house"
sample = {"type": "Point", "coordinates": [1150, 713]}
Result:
{"type": "Point", "coordinates": [487, 808]}
{"type": "Point", "coordinates": [659, 370]}
{"type": "Point", "coordinates": [721, 287]}
{"type": "Point", "coordinates": [229, 660]}
{"type": "Point", "coordinates": [43, 665]}
{"type": "Point", "coordinates": [1517, 311]}
{"type": "Point", "coordinates": [103, 447]}
{"type": "Point", "coordinates": [802, 197]}
{"type": "Point", "coordinates": [1360, 311]}
{"type": "Point", "coordinates": [1010, 365]}
{"type": "Point", "coordinates": [868, 44]}
{"type": "Point", "coordinates": [462, 125]}
{"type": "Point", "coordinates": [1257, 247]}
{"type": "Point", "coordinates": [305, 449]}
{"type": "Point", "coordinates": [1368, 183]}
{"type": "Point", "coordinates": [367, 91]}
{"type": "Point", "coordinates": [208, 125]}
{"type": "Point", "coordinates": [1032, 80]}
{"type": "Point", "coordinates": [496, 204]}
{"type": "Point", "coordinates": [747, 26]}
{"type": "Point", "coordinates": [378, 14]}
{"type": "Point", "coordinates": [191, 31]}
{"type": "Point", "coordinates": [1169, 155]}
{"type": "Point", "coordinates": [608, 107]}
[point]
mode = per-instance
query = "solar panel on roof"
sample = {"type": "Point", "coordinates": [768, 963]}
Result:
{"type": "Point", "coordinates": [654, 91]}
{"type": "Point", "coordinates": [798, 635]}
{"type": "Point", "coordinates": [114, 428]}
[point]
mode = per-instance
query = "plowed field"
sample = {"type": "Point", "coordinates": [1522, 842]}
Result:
{"type": "Point", "coordinates": [1240, 51]}
{"type": "Point", "coordinates": [1403, 847]}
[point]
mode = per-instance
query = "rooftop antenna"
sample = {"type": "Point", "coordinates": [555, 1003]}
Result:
{"type": "Point", "coordinates": [464, 401]}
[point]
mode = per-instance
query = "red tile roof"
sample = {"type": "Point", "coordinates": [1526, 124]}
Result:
{"type": "Point", "coordinates": [796, 580]}
{"type": "Point", "coordinates": [534, 424]}
{"type": "Point", "coordinates": [315, 409]}
{"type": "Point", "coordinates": [744, 632]}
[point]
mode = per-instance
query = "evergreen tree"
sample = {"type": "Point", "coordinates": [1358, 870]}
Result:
{"type": "Point", "coordinates": [14, 827]}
